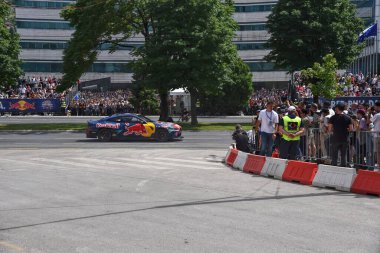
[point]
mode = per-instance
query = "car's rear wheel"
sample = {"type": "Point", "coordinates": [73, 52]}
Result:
{"type": "Point", "coordinates": [162, 135]}
{"type": "Point", "coordinates": [105, 135]}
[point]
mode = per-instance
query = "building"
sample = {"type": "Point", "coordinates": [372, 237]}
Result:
{"type": "Point", "coordinates": [44, 35]}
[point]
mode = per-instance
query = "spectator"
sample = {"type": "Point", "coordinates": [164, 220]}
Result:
{"type": "Point", "coordinates": [267, 123]}
{"type": "Point", "coordinates": [241, 139]}
{"type": "Point", "coordinates": [376, 122]}
{"type": "Point", "coordinates": [291, 128]}
{"type": "Point", "coordinates": [323, 133]}
{"type": "Point", "coordinates": [340, 125]}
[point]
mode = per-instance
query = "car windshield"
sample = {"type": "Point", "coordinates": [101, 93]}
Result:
{"type": "Point", "coordinates": [145, 118]}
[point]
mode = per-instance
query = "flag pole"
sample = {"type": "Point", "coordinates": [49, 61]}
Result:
{"type": "Point", "coordinates": [376, 55]}
{"type": "Point", "coordinates": [367, 58]}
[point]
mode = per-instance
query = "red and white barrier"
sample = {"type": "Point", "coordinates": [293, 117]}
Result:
{"type": "Point", "coordinates": [240, 160]}
{"type": "Point", "coordinates": [343, 179]}
{"type": "Point", "coordinates": [232, 155]}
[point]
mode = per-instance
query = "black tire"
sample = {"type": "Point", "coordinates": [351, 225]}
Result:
{"type": "Point", "coordinates": [104, 135]}
{"type": "Point", "coordinates": [162, 135]}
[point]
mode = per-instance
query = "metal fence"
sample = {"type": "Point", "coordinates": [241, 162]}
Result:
{"type": "Point", "coordinates": [363, 148]}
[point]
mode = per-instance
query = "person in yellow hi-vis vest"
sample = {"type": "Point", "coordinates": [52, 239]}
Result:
{"type": "Point", "coordinates": [291, 128]}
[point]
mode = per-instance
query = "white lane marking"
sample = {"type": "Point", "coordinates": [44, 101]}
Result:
{"type": "Point", "coordinates": [30, 163]}
{"type": "Point", "coordinates": [198, 138]}
{"type": "Point", "coordinates": [64, 162]}
{"type": "Point", "coordinates": [178, 165]}
{"type": "Point", "coordinates": [141, 185]}
{"type": "Point", "coordinates": [65, 139]}
{"type": "Point", "coordinates": [13, 170]}
{"type": "Point", "coordinates": [186, 161]}
{"type": "Point", "coordinates": [121, 164]}
{"type": "Point", "coordinates": [146, 163]}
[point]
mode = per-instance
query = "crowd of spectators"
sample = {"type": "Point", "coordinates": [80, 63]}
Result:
{"type": "Point", "coordinates": [97, 103]}
{"type": "Point", "coordinates": [33, 88]}
{"type": "Point", "coordinates": [259, 98]}
{"type": "Point", "coordinates": [316, 142]}
{"type": "Point", "coordinates": [349, 85]}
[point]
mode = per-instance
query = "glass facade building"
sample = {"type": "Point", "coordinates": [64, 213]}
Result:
{"type": "Point", "coordinates": [44, 36]}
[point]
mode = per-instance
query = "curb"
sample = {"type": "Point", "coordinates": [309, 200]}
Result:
{"type": "Point", "coordinates": [39, 131]}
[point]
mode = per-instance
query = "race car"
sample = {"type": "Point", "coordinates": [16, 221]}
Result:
{"type": "Point", "coordinates": [132, 127]}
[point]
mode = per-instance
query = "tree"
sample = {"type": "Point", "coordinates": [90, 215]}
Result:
{"type": "Point", "coordinates": [191, 48]}
{"type": "Point", "coordinates": [144, 100]}
{"type": "Point", "coordinates": [10, 64]}
{"type": "Point", "coordinates": [233, 94]}
{"type": "Point", "coordinates": [304, 31]}
{"type": "Point", "coordinates": [116, 21]}
{"type": "Point", "coordinates": [321, 78]}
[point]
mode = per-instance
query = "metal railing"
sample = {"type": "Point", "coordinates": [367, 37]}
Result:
{"type": "Point", "coordinates": [363, 148]}
{"type": "Point", "coordinates": [361, 153]}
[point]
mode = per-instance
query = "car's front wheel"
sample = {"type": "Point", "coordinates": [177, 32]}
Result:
{"type": "Point", "coordinates": [162, 135]}
{"type": "Point", "coordinates": [104, 135]}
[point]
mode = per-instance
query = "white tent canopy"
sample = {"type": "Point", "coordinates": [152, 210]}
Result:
{"type": "Point", "coordinates": [179, 92]}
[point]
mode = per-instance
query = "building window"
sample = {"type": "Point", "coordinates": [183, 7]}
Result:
{"type": "Point", "coordinates": [363, 3]}
{"type": "Point", "coordinates": [252, 27]}
{"type": "Point", "coordinates": [257, 66]}
{"type": "Point", "coordinates": [61, 25]}
{"type": "Point", "coordinates": [251, 46]}
{"type": "Point", "coordinates": [42, 4]}
{"type": "Point", "coordinates": [43, 45]}
{"type": "Point", "coordinates": [254, 8]}
{"type": "Point", "coordinates": [57, 67]}
{"type": "Point", "coordinates": [60, 45]}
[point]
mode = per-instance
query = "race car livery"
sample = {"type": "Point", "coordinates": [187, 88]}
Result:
{"type": "Point", "coordinates": [132, 126]}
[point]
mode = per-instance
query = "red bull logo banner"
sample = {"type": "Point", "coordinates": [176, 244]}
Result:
{"type": "Point", "coordinates": [29, 105]}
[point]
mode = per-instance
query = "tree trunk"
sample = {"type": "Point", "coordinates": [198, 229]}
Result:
{"type": "Point", "coordinates": [164, 105]}
{"type": "Point", "coordinates": [194, 98]}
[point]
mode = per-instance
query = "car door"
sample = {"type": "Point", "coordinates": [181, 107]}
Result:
{"type": "Point", "coordinates": [118, 126]}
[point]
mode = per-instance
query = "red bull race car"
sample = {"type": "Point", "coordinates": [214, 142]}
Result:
{"type": "Point", "coordinates": [132, 127]}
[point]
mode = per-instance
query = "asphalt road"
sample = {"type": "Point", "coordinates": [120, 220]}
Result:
{"type": "Point", "coordinates": [62, 193]}
{"type": "Point", "coordinates": [74, 119]}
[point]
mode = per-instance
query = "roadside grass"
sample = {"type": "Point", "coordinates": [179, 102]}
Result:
{"type": "Point", "coordinates": [82, 127]}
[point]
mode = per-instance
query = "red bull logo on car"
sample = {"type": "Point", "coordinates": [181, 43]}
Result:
{"type": "Point", "coordinates": [22, 105]}
{"type": "Point", "coordinates": [138, 129]}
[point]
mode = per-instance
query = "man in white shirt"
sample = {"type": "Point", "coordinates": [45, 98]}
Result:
{"type": "Point", "coordinates": [267, 123]}
{"type": "Point", "coordinates": [376, 122]}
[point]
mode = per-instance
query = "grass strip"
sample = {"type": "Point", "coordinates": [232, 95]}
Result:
{"type": "Point", "coordinates": [83, 126]}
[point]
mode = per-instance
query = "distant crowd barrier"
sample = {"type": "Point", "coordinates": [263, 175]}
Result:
{"type": "Point", "coordinates": [29, 105]}
{"type": "Point", "coordinates": [312, 174]}
{"type": "Point", "coordinates": [347, 100]}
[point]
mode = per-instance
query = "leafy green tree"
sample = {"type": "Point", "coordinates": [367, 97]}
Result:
{"type": "Point", "coordinates": [233, 95]}
{"type": "Point", "coordinates": [304, 31]}
{"type": "Point", "coordinates": [191, 48]}
{"type": "Point", "coordinates": [144, 100]}
{"type": "Point", "coordinates": [10, 64]}
{"type": "Point", "coordinates": [116, 21]}
{"type": "Point", "coordinates": [321, 78]}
